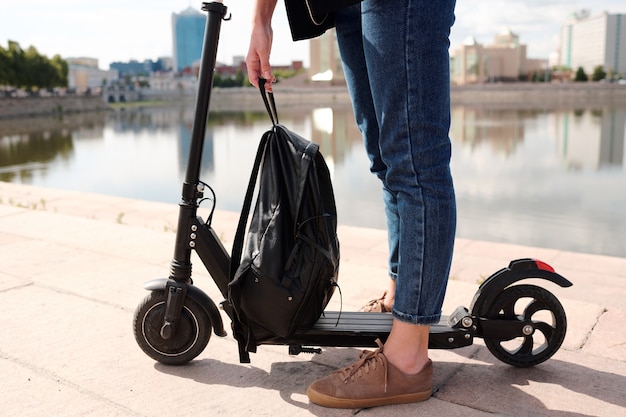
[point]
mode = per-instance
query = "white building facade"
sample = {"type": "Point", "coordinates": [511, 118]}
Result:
{"type": "Point", "coordinates": [84, 73]}
{"type": "Point", "coordinates": [589, 42]}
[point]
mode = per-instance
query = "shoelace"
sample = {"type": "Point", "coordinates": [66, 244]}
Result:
{"type": "Point", "coordinates": [367, 360]}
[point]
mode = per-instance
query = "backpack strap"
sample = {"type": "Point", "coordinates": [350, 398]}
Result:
{"type": "Point", "coordinates": [268, 99]}
{"type": "Point", "coordinates": [242, 330]}
{"type": "Point", "coordinates": [235, 259]}
{"type": "Point", "coordinates": [270, 105]}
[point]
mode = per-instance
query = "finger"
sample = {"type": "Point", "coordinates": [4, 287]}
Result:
{"type": "Point", "coordinates": [269, 79]}
{"type": "Point", "coordinates": [253, 67]}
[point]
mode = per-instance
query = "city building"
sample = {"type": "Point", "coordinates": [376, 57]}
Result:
{"type": "Point", "coordinates": [187, 37]}
{"type": "Point", "coordinates": [588, 42]}
{"type": "Point", "coordinates": [168, 85]}
{"type": "Point", "coordinates": [325, 61]}
{"type": "Point", "coordinates": [134, 67]}
{"type": "Point", "coordinates": [84, 74]}
{"type": "Point", "coordinates": [504, 60]}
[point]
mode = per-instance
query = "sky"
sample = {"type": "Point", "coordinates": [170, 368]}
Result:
{"type": "Point", "coordinates": [121, 30]}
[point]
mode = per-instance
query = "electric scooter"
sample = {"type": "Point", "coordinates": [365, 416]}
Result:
{"type": "Point", "coordinates": [174, 322]}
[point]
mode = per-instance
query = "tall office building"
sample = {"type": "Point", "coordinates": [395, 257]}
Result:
{"type": "Point", "coordinates": [187, 36]}
{"type": "Point", "coordinates": [589, 42]}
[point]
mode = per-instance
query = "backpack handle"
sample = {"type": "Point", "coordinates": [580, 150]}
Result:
{"type": "Point", "coordinates": [268, 99]}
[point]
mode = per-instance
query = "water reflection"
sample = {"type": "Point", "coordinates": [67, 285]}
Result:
{"type": "Point", "coordinates": [543, 178]}
{"type": "Point", "coordinates": [552, 178]}
{"type": "Point", "coordinates": [585, 139]}
{"type": "Point", "coordinates": [591, 139]}
{"type": "Point", "coordinates": [31, 151]}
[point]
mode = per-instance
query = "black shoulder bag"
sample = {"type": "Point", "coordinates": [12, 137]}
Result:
{"type": "Point", "coordinates": [311, 18]}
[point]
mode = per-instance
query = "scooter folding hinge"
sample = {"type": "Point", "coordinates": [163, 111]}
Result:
{"type": "Point", "coordinates": [461, 319]}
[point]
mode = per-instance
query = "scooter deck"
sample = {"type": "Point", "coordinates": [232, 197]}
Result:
{"type": "Point", "coordinates": [359, 329]}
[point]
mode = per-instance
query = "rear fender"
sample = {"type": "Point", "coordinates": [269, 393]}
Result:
{"type": "Point", "coordinates": [517, 270]}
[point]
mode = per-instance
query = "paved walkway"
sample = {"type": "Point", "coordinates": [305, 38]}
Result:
{"type": "Point", "coordinates": [72, 267]}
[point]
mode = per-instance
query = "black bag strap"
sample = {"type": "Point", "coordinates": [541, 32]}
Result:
{"type": "Point", "coordinates": [268, 99]}
{"type": "Point", "coordinates": [245, 339]}
{"type": "Point", "coordinates": [270, 105]}
{"type": "Point", "coordinates": [245, 210]}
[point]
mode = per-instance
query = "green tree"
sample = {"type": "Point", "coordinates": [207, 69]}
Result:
{"type": "Point", "coordinates": [5, 67]}
{"type": "Point", "coordinates": [35, 69]}
{"type": "Point", "coordinates": [61, 71]}
{"type": "Point", "coordinates": [17, 65]}
{"type": "Point", "coordinates": [30, 70]}
{"type": "Point", "coordinates": [238, 80]}
{"type": "Point", "coordinates": [538, 76]}
{"type": "Point", "coordinates": [581, 76]}
{"type": "Point", "coordinates": [598, 73]}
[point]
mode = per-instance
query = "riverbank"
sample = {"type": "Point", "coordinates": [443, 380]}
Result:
{"type": "Point", "coordinates": [16, 107]}
{"type": "Point", "coordinates": [540, 95]}
{"type": "Point", "coordinates": [511, 95]}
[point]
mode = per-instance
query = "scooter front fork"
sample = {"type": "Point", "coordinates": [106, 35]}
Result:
{"type": "Point", "coordinates": [176, 293]}
{"type": "Point", "coordinates": [180, 267]}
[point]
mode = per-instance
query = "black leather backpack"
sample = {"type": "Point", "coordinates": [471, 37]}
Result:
{"type": "Point", "coordinates": [289, 267]}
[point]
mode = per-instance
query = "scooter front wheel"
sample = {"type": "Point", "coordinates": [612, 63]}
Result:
{"type": "Point", "coordinates": [193, 330]}
{"type": "Point", "coordinates": [543, 335]}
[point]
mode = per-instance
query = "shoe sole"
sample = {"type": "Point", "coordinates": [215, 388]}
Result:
{"type": "Point", "coordinates": [333, 402]}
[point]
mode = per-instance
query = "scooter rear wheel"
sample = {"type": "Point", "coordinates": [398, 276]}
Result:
{"type": "Point", "coordinates": [193, 330]}
{"type": "Point", "coordinates": [549, 324]}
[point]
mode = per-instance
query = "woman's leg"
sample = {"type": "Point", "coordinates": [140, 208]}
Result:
{"type": "Point", "coordinates": [350, 40]}
{"type": "Point", "coordinates": [398, 76]}
{"type": "Point", "coordinates": [406, 45]}
{"type": "Point", "coordinates": [397, 69]}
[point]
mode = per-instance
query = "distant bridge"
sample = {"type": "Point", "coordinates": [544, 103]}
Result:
{"type": "Point", "coordinates": [120, 94]}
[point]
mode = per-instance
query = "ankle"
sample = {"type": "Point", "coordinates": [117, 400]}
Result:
{"type": "Point", "coordinates": [406, 362]}
{"type": "Point", "coordinates": [406, 347]}
{"type": "Point", "coordinates": [388, 302]}
{"type": "Point", "coordinates": [388, 299]}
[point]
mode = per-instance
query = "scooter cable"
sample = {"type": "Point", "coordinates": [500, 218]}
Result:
{"type": "Point", "coordinates": [213, 199]}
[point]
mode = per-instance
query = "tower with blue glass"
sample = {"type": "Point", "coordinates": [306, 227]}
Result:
{"type": "Point", "coordinates": [187, 36]}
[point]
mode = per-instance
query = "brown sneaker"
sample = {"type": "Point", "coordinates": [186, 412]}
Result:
{"type": "Point", "coordinates": [371, 382]}
{"type": "Point", "coordinates": [375, 306]}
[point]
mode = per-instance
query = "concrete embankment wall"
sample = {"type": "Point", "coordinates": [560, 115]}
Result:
{"type": "Point", "coordinates": [518, 95]}
{"type": "Point", "coordinates": [514, 95]}
{"type": "Point", "coordinates": [232, 99]}
{"type": "Point", "coordinates": [40, 106]}
{"type": "Point", "coordinates": [538, 95]}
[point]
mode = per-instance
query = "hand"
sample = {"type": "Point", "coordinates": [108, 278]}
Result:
{"type": "Point", "coordinates": [258, 58]}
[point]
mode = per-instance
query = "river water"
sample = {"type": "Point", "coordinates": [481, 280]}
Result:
{"type": "Point", "coordinates": [547, 178]}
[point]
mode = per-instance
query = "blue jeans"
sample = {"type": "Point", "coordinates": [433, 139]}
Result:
{"type": "Point", "coordinates": [396, 62]}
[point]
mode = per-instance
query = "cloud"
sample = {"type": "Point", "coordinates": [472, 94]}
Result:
{"type": "Point", "coordinates": [537, 22]}
{"type": "Point", "coordinates": [120, 30]}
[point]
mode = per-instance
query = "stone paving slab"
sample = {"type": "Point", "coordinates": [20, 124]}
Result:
{"type": "Point", "coordinates": [71, 275]}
